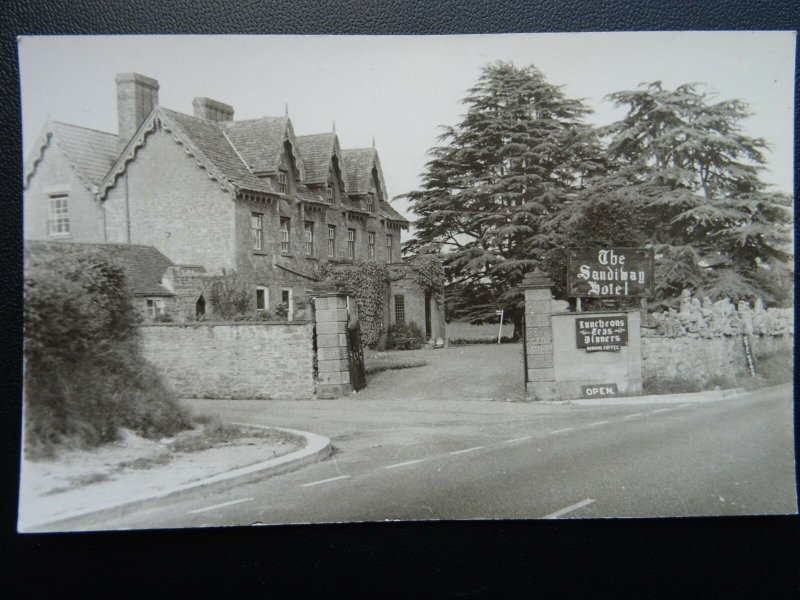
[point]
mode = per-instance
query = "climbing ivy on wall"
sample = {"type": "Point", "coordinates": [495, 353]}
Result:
{"type": "Point", "coordinates": [427, 272]}
{"type": "Point", "coordinates": [366, 282]}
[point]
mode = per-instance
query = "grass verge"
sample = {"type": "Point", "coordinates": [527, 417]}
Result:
{"type": "Point", "coordinates": [377, 362]}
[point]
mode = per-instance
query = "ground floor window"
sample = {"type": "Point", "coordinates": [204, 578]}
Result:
{"type": "Point", "coordinates": [286, 300]}
{"type": "Point", "coordinates": [399, 310]}
{"type": "Point", "coordinates": [262, 298]}
{"type": "Point", "coordinates": [155, 307]}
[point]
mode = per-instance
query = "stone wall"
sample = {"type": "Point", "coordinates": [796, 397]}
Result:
{"type": "Point", "coordinates": [574, 367]}
{"type": "Point", "coordinates": [704, 359]}
{"type": "Point", "coordinates": [167, 201]}
{"type": "Point", "coordinates": [703, 340]}
{"type": "Point", "coordinates": [234, 360]}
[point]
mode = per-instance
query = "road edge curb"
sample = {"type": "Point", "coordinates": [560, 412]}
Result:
{"type": "Point", "coordinates": [316, 448]}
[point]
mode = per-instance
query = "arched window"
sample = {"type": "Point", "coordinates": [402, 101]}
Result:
{"type": "Point", "coordinates": [200, 306]}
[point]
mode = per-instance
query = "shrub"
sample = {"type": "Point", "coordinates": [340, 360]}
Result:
{"type": "Point", "coordinates": [85, 376]}
{"type": "Point", "coordinates": [480, 340]}
{"type": "Point", "coordinates": [229, 296]}
{"type": "Point", "coordinates": [405, 336]}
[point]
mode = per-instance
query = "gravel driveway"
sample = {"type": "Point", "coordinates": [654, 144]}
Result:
{"type": "Point", "coordinates": [479, 372]}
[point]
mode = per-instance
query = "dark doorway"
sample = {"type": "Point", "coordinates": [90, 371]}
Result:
{"type": "Point", "coordinates": [200, 306]}
{"type": "Point", "coordinates": [427, 315]}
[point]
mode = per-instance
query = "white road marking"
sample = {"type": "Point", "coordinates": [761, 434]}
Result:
{"type": "Point", "coordinates": [468, 450]}
{"type": "Point", "coordinates": [527, 437]}
{"type": "Point", "coordinates": [207, 508]}
{"type": "Point", "coordinates": [597, 423]}
{"type": "Point", "coordinates": [565, 429]}
{"type": "Point", "coordinates": [326, 480]}
{"type": "Point", "coordinates": [632, 416]}
{"type": "Point", "coordinates": [659, 410]}
{"type": "Point", "coordinates": [403, 464]}
{"type": "Point", "coordinates": [684, 405]}
{"type": "Point", "coordinates": [569, 509]}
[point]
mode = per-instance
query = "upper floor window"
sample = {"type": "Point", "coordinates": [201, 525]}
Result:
{"type": "Point", "coordinates": [370, 201]}
{"type": "Point", "coordinates": [371, 245]}
{"type": "Point", "coordinates": [308, 232]}
{"type": "Point", "coordinates": [329, 192]}
{"type": "Point", "coordinates": [283, 182]}
{"type": "Point", "coordinates": [351, 243]}
{"type": "Point", "coordinates": [331, 241]}
{"type": "Point", "coordinates": [58, 216]}
{"type": "Point", "coordinates": [389, 242]}
{"type": "Point", "coordinates": [256, 229]}
{"type": "Point", "coordinates": [285, 235]}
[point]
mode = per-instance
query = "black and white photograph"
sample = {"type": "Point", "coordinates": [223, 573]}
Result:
{"type": "Point", "coordinates": [282, 279]}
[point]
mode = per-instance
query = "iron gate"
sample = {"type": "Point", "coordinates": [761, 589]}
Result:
{"type": "Point", "coordinates": [355, 355]}
{"type": "Point", "coordinates": [525, 351]}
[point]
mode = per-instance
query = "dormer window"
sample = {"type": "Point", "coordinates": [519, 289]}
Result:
{"type": "Point", "coordinates": [370, 201]}
{"type": "Point", "coordinates": [329, 192]}
{"type": "Point", "coordinates": [283, 182]}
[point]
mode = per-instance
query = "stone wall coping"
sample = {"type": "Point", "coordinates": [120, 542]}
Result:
{"type": "Point", "coordinates": [595, 312]}
{"type": "Point", "coordinates": [226, 323]}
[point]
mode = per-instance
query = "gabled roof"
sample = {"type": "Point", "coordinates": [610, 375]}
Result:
{"type": "Point", "coordinates": [144, 266]}
{"type": "Point", "coordinates": [89, 151]}
{"type": "Point", "coordinates": [209, 139]}
{"type": "Point", "coordinates": [358, 166]}
{"type": "Point", "coordinates": [259, 143]}
{"type": "Point", "coordinates": [317, 151]}
{"type": "Point", "coordinates": [205, 141]}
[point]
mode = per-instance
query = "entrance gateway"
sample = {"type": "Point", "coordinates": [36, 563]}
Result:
{"type": "Point", "coordinates": [592, 354]}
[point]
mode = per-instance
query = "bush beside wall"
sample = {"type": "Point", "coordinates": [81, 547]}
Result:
{"type": "Point", "coordinates": [85, 376]}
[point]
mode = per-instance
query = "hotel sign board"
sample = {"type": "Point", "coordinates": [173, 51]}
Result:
{"type": "Point", "coordinates": [610, 272]}
{"type": "Point", "coordinates": [601, 333]}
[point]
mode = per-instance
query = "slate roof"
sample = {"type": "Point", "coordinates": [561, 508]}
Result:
{"type": "Point", "coordinates": [91, 152]}
{"type": "Point", "coordinates": [358, 165]}
{"type": "Point", "coordinates": [143, 265]}
{"type": "Point", "coordinates": [209, 138]}
{"type": "Point", "coordinates": [259, 141]}
{"type": "Point", "coordinates": [388, 212]}
{"type": "Point", "coordinates": [316, 151]}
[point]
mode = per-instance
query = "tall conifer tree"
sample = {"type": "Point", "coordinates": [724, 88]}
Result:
{"type": "Point", "coordinates": [520, 152]}
{"type": "Point", "coordinates": [686, 179]}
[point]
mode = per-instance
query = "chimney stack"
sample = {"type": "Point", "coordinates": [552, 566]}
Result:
{"type": "Point", "coordinates": [206, 108]}
{"type": "Point", "coordinates": [136, 97]}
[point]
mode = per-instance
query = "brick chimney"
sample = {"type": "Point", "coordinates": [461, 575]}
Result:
{"type": "Point", "coordinates": [136, 97]}
{"type": "Point", "coordinates": [206, 108]}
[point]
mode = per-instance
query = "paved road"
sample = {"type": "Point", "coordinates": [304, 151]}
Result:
{"type": "Point", "coordinates": [506, 460]}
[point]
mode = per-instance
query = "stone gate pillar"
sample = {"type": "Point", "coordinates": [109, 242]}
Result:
{"type": "Point", "coordinates": [540, 377]}
{"type": "Point", "coordinates": [333, 366]}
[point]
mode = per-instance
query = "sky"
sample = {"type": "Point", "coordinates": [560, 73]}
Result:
{"type": "Point", "coordinates": [399, 90]}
